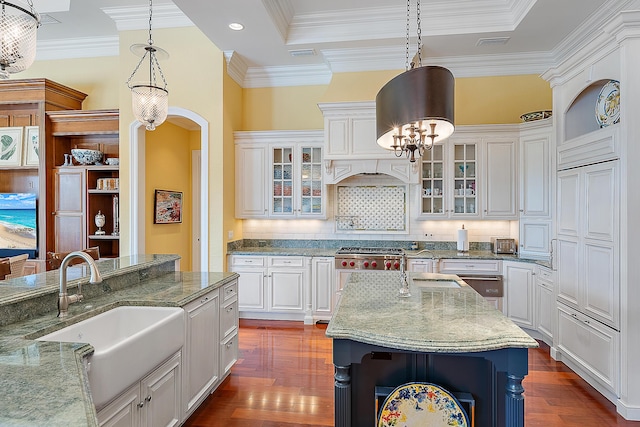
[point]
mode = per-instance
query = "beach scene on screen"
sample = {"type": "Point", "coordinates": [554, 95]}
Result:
{"type": "Point", "coordinates": [18, 221]}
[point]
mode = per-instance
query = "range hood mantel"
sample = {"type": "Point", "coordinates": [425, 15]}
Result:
{"type": "Point", "coordinates": [351, 147]}
{"type": "Point", "coordinates": [338, 170]}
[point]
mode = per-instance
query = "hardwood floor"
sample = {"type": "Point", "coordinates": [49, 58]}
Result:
{"type": "Point", "coordinates": [284, 378]}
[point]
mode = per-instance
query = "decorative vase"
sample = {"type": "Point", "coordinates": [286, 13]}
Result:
{"type": "Point", "coordinates": [100, 221]}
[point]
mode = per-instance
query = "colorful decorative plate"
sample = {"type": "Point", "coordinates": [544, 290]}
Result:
{"type": "Point", "coordinates": [608, 104]}
{"type": "Point", "coordinates": [421, 404]}
{"type": "Point", "coordinates": [536, 115]}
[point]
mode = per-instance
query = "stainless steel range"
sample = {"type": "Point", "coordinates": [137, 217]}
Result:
{"type": "Point", "coordinates": [358, 258]}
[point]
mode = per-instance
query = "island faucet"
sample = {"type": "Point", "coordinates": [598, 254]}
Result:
{"type": "Point", "coordinates": [64, 300]}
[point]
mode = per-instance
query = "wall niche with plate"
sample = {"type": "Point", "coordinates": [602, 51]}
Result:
{"type": "Point", "coordinates": [596, 107]}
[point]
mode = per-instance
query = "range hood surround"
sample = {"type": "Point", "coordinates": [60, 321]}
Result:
{"type": "Point", "coordinates": [337, 170]}
{"type": "Point", "coordinates": [351, 147]}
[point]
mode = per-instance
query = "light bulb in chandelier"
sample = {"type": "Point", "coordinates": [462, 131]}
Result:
{"type": "Point", "coordinates": [18, 29]}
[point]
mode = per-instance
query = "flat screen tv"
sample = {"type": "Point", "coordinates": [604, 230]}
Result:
{"type": "Point", "coordinates": [18, 224]}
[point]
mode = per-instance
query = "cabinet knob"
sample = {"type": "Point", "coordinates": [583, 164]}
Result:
{"type": "Point", "coordinates": [140, 405]}
{"type": "Point", "coordinates": [229, 309]}
{"type": "Point", "coordinates": [521, 210]}
{"type": "Point", "coordinates": [229, 344]}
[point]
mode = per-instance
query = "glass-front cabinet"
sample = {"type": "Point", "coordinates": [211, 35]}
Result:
{"type": "Point", "coordinates": [296, 184]}
{"type": "Point", "coordinates": [464, 191]}
{"type": "Point", "coordinates": [449, 180]}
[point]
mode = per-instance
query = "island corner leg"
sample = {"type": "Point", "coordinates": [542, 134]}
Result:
{"type": "Point", "coordinates": [342, 376]}
{"type": "Point", "coordinates": [514, 401]}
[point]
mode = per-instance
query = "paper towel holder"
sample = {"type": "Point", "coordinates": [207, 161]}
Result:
{"type": "Point", "coordinates": [463, 241]}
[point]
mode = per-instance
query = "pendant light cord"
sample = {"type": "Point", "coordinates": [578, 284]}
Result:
{"type": "Point", "coordinates": [407, 64]}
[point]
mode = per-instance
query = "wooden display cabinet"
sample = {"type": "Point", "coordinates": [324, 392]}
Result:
{"type": "Point", "coordinates": [95, 130]}
{"type": "Point", "coordinates": [25, 103]}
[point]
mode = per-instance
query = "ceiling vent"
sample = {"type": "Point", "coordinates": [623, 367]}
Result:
{"type": "Point", "coordinates": [302, 52]}
{"type": "Point", "coordinates": [46, 19]}
{"type": "Point", "coordinates": [492, 41]}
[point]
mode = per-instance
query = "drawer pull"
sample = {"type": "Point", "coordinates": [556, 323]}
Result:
{"type": "Point", "coordinates": [229, 309]}
{"type": "Point", "coordinates": [229, 290]}
{"type": "Point", "coordinates": [204, 300]}
{"type": "Point", "coordinates": [229, 344]}
{"type": "Point", "coordinates": [286, 262]}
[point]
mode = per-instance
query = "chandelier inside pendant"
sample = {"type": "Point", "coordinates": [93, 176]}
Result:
{"type": "Point", "coordinates": [18, 29]}
{"type": "Point", "coordinates": [150, 99]}
{"type": "Point", "coordinates": [413, 140]}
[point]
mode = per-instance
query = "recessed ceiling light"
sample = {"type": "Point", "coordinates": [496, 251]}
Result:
{"type": "Point", "coordinates": [236, 26]}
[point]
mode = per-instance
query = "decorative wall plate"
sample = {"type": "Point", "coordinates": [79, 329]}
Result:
{"type": "Point", "coordinates": [608, 104]}
{"type": "Point", "coordinates": [536, 115]}
{"type": "Point", "coordinates": [422, 404]}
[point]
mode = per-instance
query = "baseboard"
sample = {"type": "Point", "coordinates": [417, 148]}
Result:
{"type": "Point", "coordinates": [631, 413]}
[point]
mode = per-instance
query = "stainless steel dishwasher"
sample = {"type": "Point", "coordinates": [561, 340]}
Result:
{"type": "Point", "coordinates": [489, 286]}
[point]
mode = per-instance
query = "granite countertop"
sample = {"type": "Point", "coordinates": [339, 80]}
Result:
{"type": "Point", "coordinates": [432, 319]}
{"type": "Point", "coordinates": [45, 383]}
{"type": "Point", "coordinates": [430, 254]}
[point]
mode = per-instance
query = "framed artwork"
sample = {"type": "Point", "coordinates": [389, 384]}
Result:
{"type": "Point", "coordinates": [168, 207]}
{"type": "Point", "coordinates": [31, 145]}
{"type": "Point", "coordinates": [11, 146]}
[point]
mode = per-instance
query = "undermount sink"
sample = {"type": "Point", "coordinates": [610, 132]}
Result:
{"type": "Point", "coordinates": [431, 283]}
{"type": "Point", "coordinates": [128, 342]}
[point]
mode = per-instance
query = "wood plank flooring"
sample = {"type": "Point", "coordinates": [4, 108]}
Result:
{"type": "Point", "coordinates": [284, 378]}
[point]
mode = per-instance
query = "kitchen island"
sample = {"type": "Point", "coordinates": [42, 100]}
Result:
{"type": "Point", "coordinates": [448, 336]}
{"type": "Point", "coordinates": [45, 383]}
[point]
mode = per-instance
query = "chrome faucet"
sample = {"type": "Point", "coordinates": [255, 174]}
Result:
{"type": "Point", "coordinates": [423, 251]}
{"type": "Point", "coordinates": [64, 300]}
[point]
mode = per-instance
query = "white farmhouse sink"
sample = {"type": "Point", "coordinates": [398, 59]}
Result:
{"type": "Point", "coordinates": [128, 343]}
{"type": "Point", "coordinates": [430, 283]}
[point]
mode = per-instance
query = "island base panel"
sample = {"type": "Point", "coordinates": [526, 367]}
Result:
{"type": "Point", "coordinates": [494, 379]}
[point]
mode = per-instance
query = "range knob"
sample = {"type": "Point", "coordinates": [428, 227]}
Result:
{"type": "Point", "coordinates": [388, 265]}
{"type": "Point", "coordinates": [352, 263]}
{"type": "Point", "coordinates": [396, 265]}
{"type": "Point", "coordinates": [344, 263]}
{"type": "Point", "coordinates": [366, 264]}
{"type": "Point", "coordinates": [374, 264]}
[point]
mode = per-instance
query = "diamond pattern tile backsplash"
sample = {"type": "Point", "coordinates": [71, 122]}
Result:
{"type": "Point", "coordinates": [372, 208]}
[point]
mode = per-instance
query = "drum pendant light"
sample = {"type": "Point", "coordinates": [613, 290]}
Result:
{"type": "Point", "coordinates": [415, 109]}
{"type": "Point", "coordinates": [150, 101]}
{"type": "Point", "coordinates": [18, 29]}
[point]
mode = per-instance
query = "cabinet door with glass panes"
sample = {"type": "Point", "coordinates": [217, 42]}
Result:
{"type": "Point", "coordinates": [432, 188]}
{"type": "Point", "coordinates": [465, 162]}
{"type": "Point", "coordinates": [297, 188]}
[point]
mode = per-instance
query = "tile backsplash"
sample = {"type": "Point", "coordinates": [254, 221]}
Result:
{"type": "Point", "coordinates": [371, 208]}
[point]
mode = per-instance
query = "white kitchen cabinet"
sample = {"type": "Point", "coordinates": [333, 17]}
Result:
{"type": "Point", "coordinates": [585, 344]}
{"type": "Point", "coordinates": [322, 279]}
{"type": "Point", "coordinates": [251, 174]}
{"type": "Point", "coordinates": [420, 265]}
{"type": "Point", "coordinates": [536, 175]}
{"type": "Point", "coordinates": [519, 292]}
{"type": "Point", "coordinates": [545, 304]}
{"type": "Point", "coordinates": [588, 242]}
{"type": "Point", "coordinates": [500, 171]}
{"type": "Point", "coordinates": [154, 401]}
{"type": "Point", "coordinates": [201, 369]}
{"type": "Point", "coordinates": [449, 179]}
{"type": "Point", "coordinates": [279, 174]}
{"type": "Point", "coordinates": [273, 287]}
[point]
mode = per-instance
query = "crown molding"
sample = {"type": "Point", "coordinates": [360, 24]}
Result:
{"type": "Point", "coordinates": [440, 18]}
{"type": "Point", "coordinates": [281, 13]}
{"type": "Point", "coordinates": [77, 48]}
{"type": "Point", "coordinates": [137, 17]}
{"type": "Point", "coordinates": [236, 66]}
{"type": "Point", "coordinates": [295, 75]}
{"type": "Point", "coordinates": [587, 44]}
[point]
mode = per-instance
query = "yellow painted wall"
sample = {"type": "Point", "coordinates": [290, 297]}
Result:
{"type": "Point", "coordinates": [292, 108]}
{"type": "Point", "coordinates": [168, 167]}
{"type": "Point", "coordinates": [479, 100]}
{"type": "Point", "coordinates": [99, 78]}
{"type": "Point", "coordinates": [233, 116]}
{"type": "Point", "coordinates": [194, 73]}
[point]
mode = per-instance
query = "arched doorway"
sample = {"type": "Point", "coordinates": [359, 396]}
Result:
{"type": "Point", "coordinates": [183, 118]}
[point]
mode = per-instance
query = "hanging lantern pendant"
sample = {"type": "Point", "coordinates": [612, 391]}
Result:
{"type": "Point", "coordinates": [18, 30]}
{"type": "Point", "coordinates": [149, 100]}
